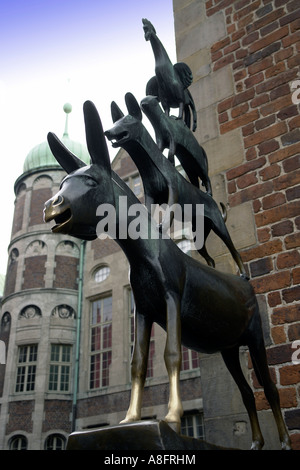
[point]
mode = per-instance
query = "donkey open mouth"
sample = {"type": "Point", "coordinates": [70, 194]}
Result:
{"type": "Point", "coordinates": [63, 219]}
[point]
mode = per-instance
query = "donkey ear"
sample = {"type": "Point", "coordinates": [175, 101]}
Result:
{"type": "Point", "coordinates": [133, 106]}
{"type": "Point", "coordinates": [116, 113]}
{"type": "Point", "coordinates": [95, 138]}
{"type": "Point", "coordinates": [65, 158]}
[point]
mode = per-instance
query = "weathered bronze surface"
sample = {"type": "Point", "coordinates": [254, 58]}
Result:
{"type": "Point", "coordinates": [198, 306]}
{"type": "Point", "coordinates": [162, 182]}
{"type": "Point", "coordinates": [173, 134]}
{"type": "Point", "coordinates": [170, 83]}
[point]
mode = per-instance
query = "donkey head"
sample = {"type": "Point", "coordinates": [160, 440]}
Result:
{"type": "Point", "coordinates": [126, 128]}
{"type": "Point", "coordinates": [74, 207]}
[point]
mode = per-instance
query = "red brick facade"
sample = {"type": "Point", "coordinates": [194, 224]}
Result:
{"type": "Point", "coordinates": [18, 214]}
{"type": "Point", "coordinates": [262, 47]}
{"type": "Point", "coordinates": [66, 272]}
{"type": "Point", "coordinates": [38, 199]}
{"type": "Point", "coordinates": [10, 278]}
{"type": "Point", "coordinates": [158, 394]}
{"type": "Point", "coordinates": [57, 415]}
{"type": "Point", "coordinates": [20, 416]}
{"type": "Point", "coordinates": [34, 272]}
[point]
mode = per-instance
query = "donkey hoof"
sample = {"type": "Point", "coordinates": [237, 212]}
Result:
{"type": "Point", "coordinates": [257, 445]}
{"type": "Point", "coordinates": [286, 444]}
{"type": "Point", "coordinates": [129, 419]}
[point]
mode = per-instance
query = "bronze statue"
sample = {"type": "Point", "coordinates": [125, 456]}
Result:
{"type": "Point", "coordinates": [170, 83]}
{"type": "Point", "coordinates": [173, 134]}
{"type": "Point", "coordinates": [162, 182]}
{"type": "Point", "coordinates": [202, 308]}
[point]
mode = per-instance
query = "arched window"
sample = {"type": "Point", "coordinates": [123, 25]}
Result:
{"type": "Point", "coordinates": [55, 442]}
{"type": "Point", "coordinates": [18, 443]}
{"type": "Point", "coordinates": [101, 274]}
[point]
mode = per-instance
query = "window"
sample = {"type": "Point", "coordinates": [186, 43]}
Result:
{"type": "Point", "coordinates": [26, 369]}
{"type": "Point", "coordinates": [60, 367]}
{"type": "Point", "coordinates": [18, 443]}
{"type": "Point", "coordinates": [101, 274]}
{"type": "Point", "coordinates": [55, 442]}
{"type": "Point", "coordinates": [189, 359]}
{"type": "Point", "coordinates": [135, 184]}
{"type": "Point", "coordinates": [131, 339]}
{"type": "Point", "coordinates": [100, 342]}
{"type": "Point", "coordinates": [192, 425]}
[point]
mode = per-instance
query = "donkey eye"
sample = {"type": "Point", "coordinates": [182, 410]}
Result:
{"type": "Point", "coordinates": [91, 182]}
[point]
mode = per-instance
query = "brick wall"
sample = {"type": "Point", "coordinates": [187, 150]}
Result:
{"type": "Point", "coordinates": [57, 415]}
{"type": "Point", "coordinates": [155, 394]}
{"type": "Point", "coordinates": [104, 248]}
{"type": "Point", "coordinates": [34, 272]}
{"type": "Point", "coordinates": [20, 416]}
{"type": "Point", "coordinates": [125, 166]}
{"type": "Point", "coordinates": [10, 278]}
{"type": "Point", "coordinates": [66, 272]}
{"type": "Point", "coordinates": [262, 50]}
{"type": "Point", "coordinates": [18, 214]}
{"type": "Point", "coordinates": [38, 199]}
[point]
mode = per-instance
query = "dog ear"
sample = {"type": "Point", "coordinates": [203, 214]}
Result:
{"type": "Point", "coordinates": [65, 158]}
{"type": "Point", "coordinates": [133, 106]}
{"type": "Point", "coordinates": [95, 138]}
{"type": "Point", "coordinates": [116, 113]}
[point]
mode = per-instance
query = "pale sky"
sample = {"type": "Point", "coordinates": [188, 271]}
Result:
{"type": "Point", "coordinates": [58, 51]}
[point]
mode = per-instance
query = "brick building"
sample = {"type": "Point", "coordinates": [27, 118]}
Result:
{"type": "Point", "coordinates": [66, 313]}
{"type": "Point", "coordinates": [245, 56]}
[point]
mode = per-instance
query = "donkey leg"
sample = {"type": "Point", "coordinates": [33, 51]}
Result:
{"type": "Point", "coordinates": [138, 367]}
{"type": "Point", "coordinates": [260, 363]}
{"type": "Point", "coordinates": [232, 361]}
{"type": "Point", "coordinates": [172, 357]}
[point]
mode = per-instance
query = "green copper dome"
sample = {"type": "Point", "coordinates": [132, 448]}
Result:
{"type": "Point", "coordinates": [41, 156]}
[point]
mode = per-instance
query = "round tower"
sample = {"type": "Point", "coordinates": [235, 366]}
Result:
{"type": "Point", "coordinates": [39, 309]}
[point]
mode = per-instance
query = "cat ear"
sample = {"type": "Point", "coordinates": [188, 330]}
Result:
{"type": "Point", "coordinates": [133, 106]}
{"type": "Point", "coordinates": [95, 138]}
{"type": "Point", "coordinates": [116, 113]}
{"type": "Point", "coordinates": [65, 158]}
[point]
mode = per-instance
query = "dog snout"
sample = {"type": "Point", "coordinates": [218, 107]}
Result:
{"type": "Point", "coordinates": [109, 134]}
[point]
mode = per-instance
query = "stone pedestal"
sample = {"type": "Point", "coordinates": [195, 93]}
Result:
{"type": "Point", "coordinates": [142, 435]}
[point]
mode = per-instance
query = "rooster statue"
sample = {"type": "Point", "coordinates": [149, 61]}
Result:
{"type": "Point", "coordinates": [170, 83]}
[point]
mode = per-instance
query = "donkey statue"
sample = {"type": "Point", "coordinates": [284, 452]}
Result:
{"type": "Point", "coordinates": [162, 182]}
{"type": "Point", "coordinates": [202, 308]}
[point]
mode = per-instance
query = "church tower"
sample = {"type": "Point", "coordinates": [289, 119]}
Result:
{"type": "Point", "coordinates": [39, 311]}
